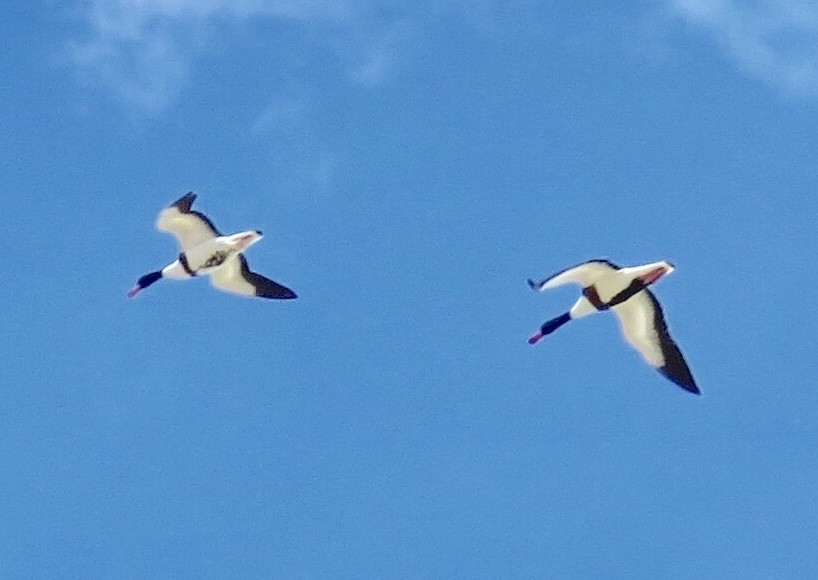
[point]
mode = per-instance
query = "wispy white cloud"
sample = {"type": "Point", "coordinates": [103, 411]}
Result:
{"type": "Point", "coordinates": [299, 158]}
{"type": "Point", "coordinates": [375, 54]}
{"type": "Point", "coordinates": [280, 114]}
{"type": "Point", "coordinates": [143, 50]}
{"type": "Point", "coordinates": [773, 40]}
{"type": "Point", "coordinates": [143, 70]}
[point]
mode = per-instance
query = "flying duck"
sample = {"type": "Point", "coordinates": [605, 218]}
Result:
{"type": "Point", "coordinates": [205, 251]}
{"type": "Point", "coordinates": [606, 286]}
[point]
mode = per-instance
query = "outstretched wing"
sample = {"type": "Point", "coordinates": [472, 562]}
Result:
{"type": "Point", "coordinates": [584, 274]}
{"type": "Point", "coordinates": [235, 276]}
{"type": "Point", "coordinates": [643, 326]}
{"type": "Point", "coordinates": [189, 227]}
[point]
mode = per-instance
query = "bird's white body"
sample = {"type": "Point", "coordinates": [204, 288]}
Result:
{"type": "Point", "coordinates": [624, 291]}
{"type": "Point", "coordinates": [205, 251]}
{"type": "Point", "coordinates": [211, 255]}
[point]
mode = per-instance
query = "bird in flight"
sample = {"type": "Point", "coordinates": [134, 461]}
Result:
{"type": "Point", "coordinates": [205, 251]}
{"type": "Point", "coordinates": [606, 286]}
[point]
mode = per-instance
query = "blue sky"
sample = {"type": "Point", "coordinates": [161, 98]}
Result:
{"type": "Point", "coordinates": [411, 164]}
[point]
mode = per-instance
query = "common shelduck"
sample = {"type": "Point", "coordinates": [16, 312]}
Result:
{"type": "Point", "coordinates": [606, 286]}
{"type": "Point", "coordinates": [203, 250]}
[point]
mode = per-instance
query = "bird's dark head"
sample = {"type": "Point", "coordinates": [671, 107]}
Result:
{"type": "Point", "coordinates": [144, 282]}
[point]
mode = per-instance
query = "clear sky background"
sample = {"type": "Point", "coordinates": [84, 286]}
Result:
{"type": "Point", "coordinates": [411, 164]}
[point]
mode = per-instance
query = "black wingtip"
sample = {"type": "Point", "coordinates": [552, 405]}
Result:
{"type": "Point", "coordinates": [534, 285]}
{"type": "Point", "coordinates": [276, 291]}
{"type": "Point", "coordinates": [183, 203]}
{"type": "Point", "coordinates": [686, 383]}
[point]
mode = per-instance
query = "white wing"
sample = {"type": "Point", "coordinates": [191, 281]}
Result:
{"type": "Point", "coordinates": [636, 320]}
{"type": "Point", "coordinates": [643, 326]}
{"type": "Point", "coordinates": [235, 276]}
{"type": "Point", "coordinates": [584, 274]}
{"type": "Point", "coordinates": [189, 227]}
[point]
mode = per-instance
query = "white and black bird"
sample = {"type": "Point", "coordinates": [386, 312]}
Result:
{"type": "Point", "coordinates": [205, 251]}
{"type": "Point", "coordinates": [606, 286]}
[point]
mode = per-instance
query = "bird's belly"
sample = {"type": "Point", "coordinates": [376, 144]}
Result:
{"type": "Point", "coordinates": [611, 286]}
{"type": "Point", "coordinates": [205, 257]}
